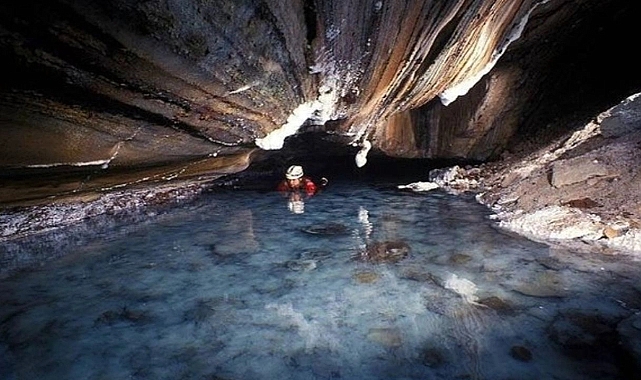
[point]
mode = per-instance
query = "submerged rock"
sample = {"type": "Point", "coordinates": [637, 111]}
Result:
{"type": "Point", "coordinates": [545, 284]}
{"type": "Point", "coordinates": [551, 263]}
{"type": "Point", "coordinates": [459, 259]}
{"type": "Point", "coordinates": [521, 353]}
{"type": "Point", "coordinates": [387, 336]}
{"type": "Point", "coordinates": [315, 255]}
{"type": "Point", "coordinates": [497, 304]}
{"type": "Point", "coordinates": [433, 357]}
{"type": "Point", "coordinates": [327, 229]}
{"type": "Point", "coordinates": [385, 252]}
{"type": "Point", "coordinates": [366, 277]}
{"type": "Point", "coordinates": [420, 274]}
{"type": "Point", "coordinates": [301, 265]}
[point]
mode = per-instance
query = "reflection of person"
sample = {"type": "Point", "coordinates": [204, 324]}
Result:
{"type": "Point", "coordinates": [295, 203]}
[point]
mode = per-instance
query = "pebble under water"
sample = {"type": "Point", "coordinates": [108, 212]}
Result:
{"type": "Point", "coordinates": [368, 283]}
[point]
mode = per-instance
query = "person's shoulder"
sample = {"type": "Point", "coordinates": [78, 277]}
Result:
{"type": "Point", "coordinates": [282, 185]}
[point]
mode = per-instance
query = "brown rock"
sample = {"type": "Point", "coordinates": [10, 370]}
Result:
{"type": "Point", "coordinates": [611, 232]}
{"type": "Point", "coordinates": [576, 170]}
{"type": "Point", "coordinates": [386, 252]}
{"type": "Point", "coordinates": [582, 203]}
{"type": "Point", "coordinates": [617, 228]}
{"type": "Point", "coordinates": [366, 277]}
{"type": "Point", "coordinates": [497, 304]}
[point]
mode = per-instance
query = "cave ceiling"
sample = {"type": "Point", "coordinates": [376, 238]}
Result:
{"type": "Point", "coordinates": [106, 93]}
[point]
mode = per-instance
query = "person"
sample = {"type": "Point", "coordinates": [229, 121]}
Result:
{"type": "Point", "coordinates": [296, 181]}
{"type": "Point", "coordinates": [294, 185]}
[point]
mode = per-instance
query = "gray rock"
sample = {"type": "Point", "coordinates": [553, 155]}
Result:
{"type": "Point", "coordinates": [579, 169]}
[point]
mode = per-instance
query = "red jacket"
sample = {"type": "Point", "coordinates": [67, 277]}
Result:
{"type": "Point", "coordinates": [306, 185]}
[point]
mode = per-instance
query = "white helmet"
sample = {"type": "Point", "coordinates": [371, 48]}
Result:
{"type": "Point", "coordinates": [294, 172]}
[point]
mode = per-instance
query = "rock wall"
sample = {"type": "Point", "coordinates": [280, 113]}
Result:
{"type": "Point", "coordinates": [581, 191]}
{"type": "Point", "coordinates": [100, 95]}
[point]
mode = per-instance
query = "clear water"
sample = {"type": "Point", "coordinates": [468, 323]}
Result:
{"type": "Point", "coordinates": [236, 286]}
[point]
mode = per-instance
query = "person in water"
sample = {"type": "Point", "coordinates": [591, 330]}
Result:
{"type": "Point", "coordinates": [296, 181]}
{"type": "Point", "coordinates": [295, 185]}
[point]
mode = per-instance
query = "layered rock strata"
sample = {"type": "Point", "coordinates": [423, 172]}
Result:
{"type": "Point", "coordinates": [100, 95]}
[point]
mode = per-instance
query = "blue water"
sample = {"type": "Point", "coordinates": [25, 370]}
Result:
{"type": "Point", "coordinates": [234, 285]}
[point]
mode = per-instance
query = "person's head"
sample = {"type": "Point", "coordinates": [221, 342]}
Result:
{"type": "Point", "coordinates": [293, 175]}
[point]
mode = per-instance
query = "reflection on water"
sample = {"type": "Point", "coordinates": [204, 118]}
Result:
{"type": "Point", "coordinates": [295, 203]}
{"type": "Point", "coordinates": [367, 283]}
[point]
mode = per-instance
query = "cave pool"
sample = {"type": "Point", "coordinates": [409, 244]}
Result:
{"type": "Point", "coordinates": [234, 285]}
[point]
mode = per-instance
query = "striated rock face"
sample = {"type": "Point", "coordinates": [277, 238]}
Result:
{"type": "Point", "coordinates": [97, 95]}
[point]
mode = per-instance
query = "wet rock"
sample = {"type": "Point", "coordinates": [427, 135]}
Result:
{"type": "Point", "coordinates": [386, 252]}
{"type": "Point", "coordinates": [315, 255]}
{"type": "Point", "coordinates": [275, 288]}
{"type": "Point", "coordinates": [521, 353]}
{"type": "Point", "coordinates": [419, 186]}
{"type": "Point", "coordinates": [497, 304]}
{"type": "Point", "coordinates": [26, 221]}
{"type": "Point", "coordinates": [433, 357]}
{"type": "Point", "coordinates": [558, 223]}
{"type": "Point", "coordinates": [366, 277]}
{"type": "Point", "coordinates": [459, 258]}
{"type": "Point", "coordinates": [327, 229]}
{"type": "Point", "coordinates": [386, 336]}
{"type": "Point", "coordinates": [420, 275]}
{"type": "Point", "coordinates": [301, 265]}
{"type": "Point", "coordinates": [454, 179]}
{"type": "Point", "coordinates": [546, 284]}
{"type": "Point", "coordinates": [551, 263]}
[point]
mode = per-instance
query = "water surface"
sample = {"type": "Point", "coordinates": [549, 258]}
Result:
{"type": "Point", "coordinates": [234, 285]}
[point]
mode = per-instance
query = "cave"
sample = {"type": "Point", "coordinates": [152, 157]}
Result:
{"type": "Point", "coordinates": [101, 100]}
{"type": "Point", "coordinates": [98, 96]}
{"type": "Point", "coordinates": [120, 113]}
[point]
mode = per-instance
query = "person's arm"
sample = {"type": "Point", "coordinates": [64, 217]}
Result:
{"type": "Point", "coordinates": [310, 187]}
